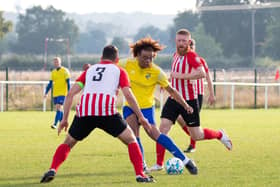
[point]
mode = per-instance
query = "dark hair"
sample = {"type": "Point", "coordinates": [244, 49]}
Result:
{"type": "Point", "coordinates": [110, 52]}
{"type": "Point", "coordinates": [146, 43]}
{"type": "Point", "coordinates": [184, 32]}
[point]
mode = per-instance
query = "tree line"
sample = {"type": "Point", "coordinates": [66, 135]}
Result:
{"type": "Point", "coordinates": [224, 38]}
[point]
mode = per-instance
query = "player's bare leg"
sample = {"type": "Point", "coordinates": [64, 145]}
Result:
{"type": "Point", "coordinates": [192, 145]}
{"type": "Point", "coordinates": [59, 157]}
{"type": "Point", "coordinates": [128, 138]}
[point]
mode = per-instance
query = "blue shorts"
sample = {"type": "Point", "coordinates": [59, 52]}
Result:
{"type": "Point", "coordinates": [148, 113]}
{"type": "Point", "coordinates": [59, 100]}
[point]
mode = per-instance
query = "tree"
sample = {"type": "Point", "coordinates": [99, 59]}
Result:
{"type": "Point", "coordinates": [272, 42]}
{"type": "Point", "coordinates": [37, 24]}
{"type": "Point", "coordinates": [92, 42]}
{"type": "Point", "coordinates": [206, 44]}
{"type": "Point", "coordinates": [122, 44]}
{"type": "Point", "coordinates": [232, 29]}
{"type": "Point", "coordinates": [115, 29]}
{"type": "Point", "coordinates": [188, 20]}
{"type": "Point", "coordinates": [155, 33]}
{"type": "Point", "coordinates": [5, 26]}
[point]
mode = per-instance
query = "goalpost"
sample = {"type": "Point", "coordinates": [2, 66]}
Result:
{"type": "Point", "coordinates": [66, 40]}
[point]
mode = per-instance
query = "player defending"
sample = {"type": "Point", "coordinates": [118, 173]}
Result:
{"type": "Point", "coordinates": [188, 63]}
{"type": "Point", "coordinates": [97, 109]}
{"type": "Point", "coordinates": [200, 90]}
{"type": "Point", "coordinates": [145, 76]}
{"type": "Point", "coordinates": [60, 83]}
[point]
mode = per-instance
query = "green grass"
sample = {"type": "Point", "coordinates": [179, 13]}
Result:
{"type": "Point", "coordinates": [27, 145]}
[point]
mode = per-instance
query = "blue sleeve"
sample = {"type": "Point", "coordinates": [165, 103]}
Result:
{"type": "Point", "coordinates": [49, 86]}
{"type": "Point", "coordinates": [68, 84]}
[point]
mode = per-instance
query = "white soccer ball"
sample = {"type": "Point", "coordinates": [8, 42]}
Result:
{"type": "Point", "coordinates": [174, 166]}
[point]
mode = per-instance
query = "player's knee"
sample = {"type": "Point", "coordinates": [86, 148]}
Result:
{"type": "Point", "coordinates": [70, 141]}
{"type": "Point", "coordinates": [154, 133]}
{"type": "Point", "coordinates": [58, 107]}
{"type": "Point", "coordinates": [127, 136]}
{"type": "Point", "coordinates": [164, 129]}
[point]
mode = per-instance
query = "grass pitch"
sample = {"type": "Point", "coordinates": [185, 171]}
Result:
{"type": "Point", "coordinates": [27, 145]}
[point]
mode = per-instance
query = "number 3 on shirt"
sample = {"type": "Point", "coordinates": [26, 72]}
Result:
{"type": "Point", "coordinates": [100, 71]}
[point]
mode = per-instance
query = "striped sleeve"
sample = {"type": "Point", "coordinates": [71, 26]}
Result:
{"type": "Point", "coordinates": [124, 80]}
{"type": "Point", "coordinates": [81, 79]}
{"type": "Point", "coordinates": [194, 59]}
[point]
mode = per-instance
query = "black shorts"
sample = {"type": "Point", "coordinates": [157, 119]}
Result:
{"type": "Point", "coordinates": [200, 101]}
{"type": "Point", "coordinates": [82, 126]}
{"type": "Point", "coordinates": [172, 109]}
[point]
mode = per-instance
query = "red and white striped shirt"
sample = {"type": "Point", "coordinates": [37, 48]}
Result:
{"type": "Point", "coordinates": [200, 85]}
{"type": "Point", "coordinates": [101, 82]}
{"type": "Point", "coordinates": [185, 64]}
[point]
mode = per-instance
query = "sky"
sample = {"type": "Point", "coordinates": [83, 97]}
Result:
{"type": "Point", "coordinates": [101, 6]}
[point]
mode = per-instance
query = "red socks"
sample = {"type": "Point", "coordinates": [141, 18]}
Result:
{"type": "Point", "coordinates": [212, 134]}
{"type": "Point", "coordinates": [185, 128]}
{"type": "Point", "coordinates": [208, 134]}
{"type": "Point", "coordinates": [60, 155]}
{"type": "Point", "coordinates": [135, 157]}
{"type": "Point", "coordinates": [160, 154]}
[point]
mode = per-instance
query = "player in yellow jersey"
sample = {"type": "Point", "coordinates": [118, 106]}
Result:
{"type": "Point", "coordinates": [144, 76]}
{"type": "Point", "coordinates": [60, 83]}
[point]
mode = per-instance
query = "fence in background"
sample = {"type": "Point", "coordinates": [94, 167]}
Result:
{"type": "Point", "coordinates": [29, 95]}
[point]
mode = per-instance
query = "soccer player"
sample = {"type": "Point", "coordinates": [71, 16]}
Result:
{"type": "Point", "coordinates": [188, 63]}
{"type": "Point", "coordinates": [145, 76]}
{"type": "Point", "coordinates": [60, 83]}
{"type": "Point", "coordinates": [97, 109]}
{"type": "Point", "coordinates": [200, 91]}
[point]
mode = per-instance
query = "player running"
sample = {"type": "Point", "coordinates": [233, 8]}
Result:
{"type": "Point", "coordinates": [200, 91]}
{"type": "Point", "coordinates": [185, 62]}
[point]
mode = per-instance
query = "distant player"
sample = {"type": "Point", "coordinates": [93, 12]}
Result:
{"type": "Point", "coordinates": [97, 109]}
{"type": "Point", "coordinates": [145, 76]}
{"type": "Point", "coordinates": [186, 69]}
{"type": "Point", "coordinates": [200, 91]}
{"type": "Point", "coordinates": [60, 83]}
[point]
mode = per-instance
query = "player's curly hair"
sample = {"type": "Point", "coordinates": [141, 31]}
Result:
{"type": "Point", "coordinates": [146, 43]}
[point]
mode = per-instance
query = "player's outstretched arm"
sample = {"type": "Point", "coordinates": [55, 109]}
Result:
{"type": "Point", "coordinates": [67, 106]}
{"type": "Point", "coordinates": [130, 98]}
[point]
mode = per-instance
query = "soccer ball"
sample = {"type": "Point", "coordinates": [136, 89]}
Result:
{"type": "Point", "coordinates": [174, 166]}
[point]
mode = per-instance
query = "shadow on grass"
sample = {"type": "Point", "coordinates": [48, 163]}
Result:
{"type": "Point", "coordinates": [11, 181]}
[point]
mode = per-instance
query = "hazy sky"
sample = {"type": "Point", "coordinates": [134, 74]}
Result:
{"type": "Point", "coordinates": [88, 6]}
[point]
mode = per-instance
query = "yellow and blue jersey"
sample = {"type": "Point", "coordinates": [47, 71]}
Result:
{"type": "Point", "coordinates": [143, 81]}
{"type": "Point", "coordinates": [59, 78]}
